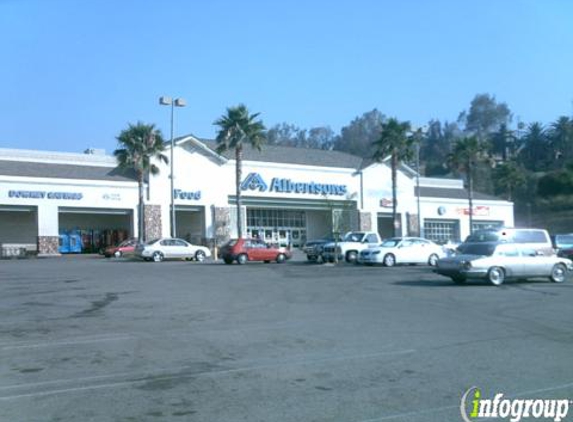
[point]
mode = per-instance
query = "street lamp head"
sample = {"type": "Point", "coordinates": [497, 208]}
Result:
{"type": "Point", "coordinates": [165, 100]}
{"type": "Point", "coordinates": [180, 102]}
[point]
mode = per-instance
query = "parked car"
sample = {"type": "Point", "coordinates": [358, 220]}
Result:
{"type": "Point", "coordinates": [350, 246]}
{"type": "Point", "coordinates": [127, 247]}
{"type": "Point", "coordinates": [537, 239]}
{"type": "Point", "coordinates": [498, 261]}
{"type": "Point", "coordinates": [402, 250]}
{"type": "Point", "coordinates": [171, 248]}
{"type": "Point", "coordinates": [313, 248]}
{"type": "Point", "coordinates": [243, 250]}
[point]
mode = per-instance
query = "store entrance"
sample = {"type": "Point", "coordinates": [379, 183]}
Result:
{"type": "Point", "coordinates": [386, 225]}
{"type": "Point", "coordinates": [286, 228]}
{"type": "Point", "coordinates": [19, 226]}
{"type": "Point", "coordinates": [92, 230]}
{"type": "Point", "coordinates": [190, 224]}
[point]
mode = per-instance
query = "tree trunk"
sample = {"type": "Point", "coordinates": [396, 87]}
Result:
{"type": "Point", "coordinates": [238, 177]}
{"type": "Point", "coordinates": [471, 196]}
{"type": "Point", "coordinates": [394, 166]}
{"type": "Point", "coordinates": [140, 217]}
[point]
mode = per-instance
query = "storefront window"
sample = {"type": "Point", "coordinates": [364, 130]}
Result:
{"type": "Point", "coordinates": [275, 218]}
{"type": "Point", "coordinates": [442, 231]}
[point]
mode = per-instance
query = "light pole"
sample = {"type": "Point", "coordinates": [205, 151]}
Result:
{"type": "Point", "coordinates": [418, 134]}
{"type": "Point", "coordinates": [177, 102]}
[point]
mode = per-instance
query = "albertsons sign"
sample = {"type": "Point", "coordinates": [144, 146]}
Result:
{"type": "Point", "coordinates": [254, 181]}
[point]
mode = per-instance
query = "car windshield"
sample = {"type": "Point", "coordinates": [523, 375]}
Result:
{"type": "Point", "coordinates": [483, 236]}
{"type": "Point", "coordinates": [564, 240]}
{"type": "Point", "coordinates": [231, 243]}
{"type": "Point", "coordinates": [353, 237]}
{"type": "Point", "coordinates": [476, 249]}
{"type": "Point", "coordinates": [390, 243]}
{"type": "Point", "coordinates": [151, 242]}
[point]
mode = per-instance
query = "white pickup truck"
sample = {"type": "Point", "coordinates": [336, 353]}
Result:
{"type": "Point", "coordinates": [350, 246]}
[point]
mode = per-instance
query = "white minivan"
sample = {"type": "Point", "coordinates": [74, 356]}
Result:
{"type": "Point", "coordinates": [537, 239]}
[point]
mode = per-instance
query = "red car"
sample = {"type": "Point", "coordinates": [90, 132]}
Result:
{"type": "Point", "coordinates": [243, 250]}
{"type": "Point", "coordinates": [125, 247]}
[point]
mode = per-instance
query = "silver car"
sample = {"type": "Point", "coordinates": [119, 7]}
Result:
{"type": "Point", "coordinates": [171, 248]}
{"type": "Point", "coordinates": [402, 250]}
{"type": "Point", "coordinates": [497, 262]}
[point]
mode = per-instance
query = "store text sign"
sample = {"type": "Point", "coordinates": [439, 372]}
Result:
{"type": "Point", "coordinates": [179, 194]}
{"type": "Point", "coordinates": [479, 211]}
{"type": "Point", "coordinates": [40, 194]}
{"type": "Point", "coordinates": [254, 181]}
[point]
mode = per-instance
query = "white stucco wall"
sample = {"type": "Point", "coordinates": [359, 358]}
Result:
{"type": "Point", "coordinates": [377, 189]}
{"type": "Point", "coordinates": [450, 209]}
{"type": "Point", "coordinates": [88, 194]}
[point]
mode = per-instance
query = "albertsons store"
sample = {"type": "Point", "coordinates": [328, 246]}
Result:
{"type": "Point", "coordinates": [53, 203]}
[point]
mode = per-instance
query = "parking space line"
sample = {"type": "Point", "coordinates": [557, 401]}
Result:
{"type": "Point", "coordinates": [79, 340]}
{"type": "Point", "coordinates": [143, 378]}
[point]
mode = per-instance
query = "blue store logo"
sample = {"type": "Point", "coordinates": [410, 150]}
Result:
{"type": "Point", "coordinates": [254, 181]}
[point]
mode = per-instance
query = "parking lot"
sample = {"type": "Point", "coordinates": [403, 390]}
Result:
{"type": "Point", "coordinates": [93, 339]}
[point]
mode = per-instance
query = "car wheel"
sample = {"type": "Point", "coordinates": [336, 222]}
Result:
{"type": "Point", "coordinates": [117, 254]}
{"type": "Point", "coordinates": [227, 261]}
{"type": "Point", "coordinates": [200, 256]}
{"type": "Point", "coordinates": [281, 258]}
{"type": "Point", "coordinates": [351, 256]}
{"type": "Point", "coordinates": [242, 259]}
{"type": "Point", "coordinates": [496, 276]}
{"type": "Point", "coordinates": [157, 257]}
{"type": "Point", "coordinates": [558, 273]}
{"type": "Point", "coordinates": [433, 260]}
{"type": "Point", "coordinates": [389, 260]}
{"type": "Point", "coordinates": [458, 279]}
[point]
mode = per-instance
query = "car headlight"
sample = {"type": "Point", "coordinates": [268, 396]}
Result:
{"type": "Point", "coordinates": [376, 253]}
{"type": "Point", "coordinates": [466, 265]}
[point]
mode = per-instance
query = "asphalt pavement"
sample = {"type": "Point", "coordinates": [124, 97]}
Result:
{"type": "Point", "coordinates": [94, 339]}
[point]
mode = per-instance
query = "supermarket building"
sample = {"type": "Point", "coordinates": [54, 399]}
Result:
{"type": "Point", "coordinates": [288, 195]}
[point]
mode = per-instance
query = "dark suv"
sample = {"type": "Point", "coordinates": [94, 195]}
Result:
{"type": "Point", "coordinates": [243, 250]}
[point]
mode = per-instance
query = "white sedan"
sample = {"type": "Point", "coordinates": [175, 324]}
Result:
{"type": "Point", "coordinates": [171, 248]}
{"type": "Point", "coordinates": [402, 250]}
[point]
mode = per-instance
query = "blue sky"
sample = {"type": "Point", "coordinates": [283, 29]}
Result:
{"type": "Point", "coordinates": [75, 72]}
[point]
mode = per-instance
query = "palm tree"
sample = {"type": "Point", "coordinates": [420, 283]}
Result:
{"type": "Point", "coordinates": [535, 150]}
{"type": "Point", "coordinates": [466, 154]}
{"type": "Point", "coordinates": [561, 137]}
{"type": "Point", "coordinates": [503, 142]}
{"type": "Point", "coordinates": [138, 145]}
{"type": "Point", "coordinates": [394, 142]}
{"type": "Point", "coordinates": [237, 128]}
{"type": "Point", "coordinates": [507, 177]}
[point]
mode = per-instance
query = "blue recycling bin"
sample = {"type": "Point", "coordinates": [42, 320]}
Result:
{"type": "Point", "coordinates": [64, 243]}
{"type": "Point", "coordinates": [74, 242]}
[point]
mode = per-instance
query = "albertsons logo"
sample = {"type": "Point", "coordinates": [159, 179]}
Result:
{"type": "Point", "coordinates": [473, 407]}
{"type": "Point", "coordinates": [254, 181]}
